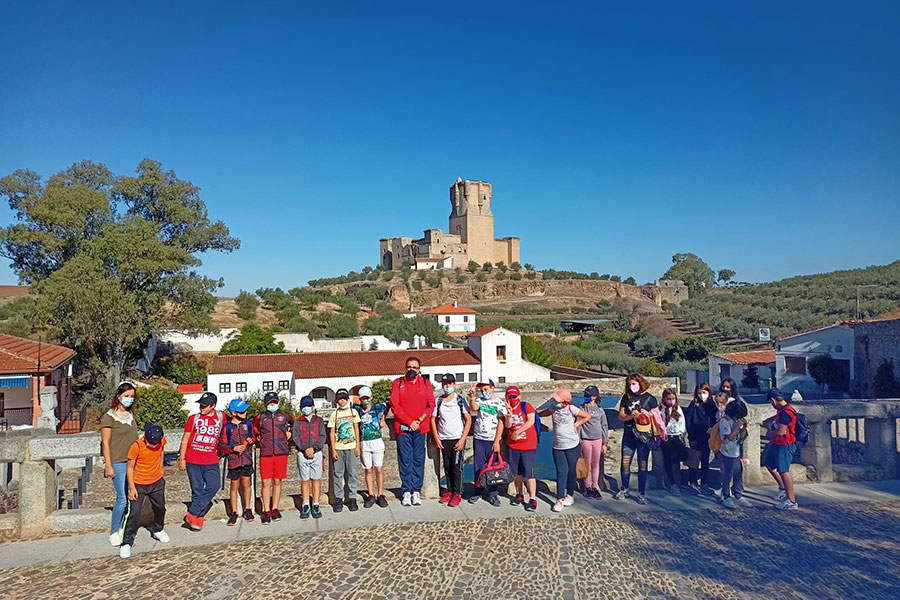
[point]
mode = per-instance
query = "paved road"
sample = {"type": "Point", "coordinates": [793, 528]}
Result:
{"type": "Point", "coordinates": [845, 546]}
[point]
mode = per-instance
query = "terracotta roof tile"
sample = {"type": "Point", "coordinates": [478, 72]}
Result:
{"type": "Point", "coordinates": [748, 358]}
{"type": "Point", "coordinates": [19, 355]}
{"type": "Point", "coordinates": [449, 309]}
{"type": "Point", "coordinates": [483, 331]}
{"type": "Point", "coordinates": [314, 365]}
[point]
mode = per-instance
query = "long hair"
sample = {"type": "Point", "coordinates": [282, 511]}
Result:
{"type": "Point", "coordinates": [734, 389]}
{"type": "Point", "coordinates": [645, 385]}
{"type": "Point", "coordinates": [701, 387]}
{"type": "Point", "coordinates": [671, 412]}
{"type": "Point", "coordinates": [117, 398]}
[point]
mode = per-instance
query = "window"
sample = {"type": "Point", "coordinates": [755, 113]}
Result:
{"type": "Point", "coordinates": [460, 377]}
{"type": "Point", "coordinates": [501, 380]}
{"type": "Point", "coordinates": [426, 377]}
{"type": "Point", "coordinates": [240, 386]}
{"type": "Point", "coordinates": [224, 388]}
{"type": "Point", "coordinates": [472, 376]}
{"type": "Point", "coordinates": [724, 372]}
{"type": "Point", "coordinates": [465, 318]}
{"type": "Point", "coordinates": [501, 353]}
{"type": "Point", "coordinates": [446, 319]}
{"type": "Point", "coordinates": [795, 364]}
{"type": "Point", "coordinates": [268, 386]}
{"type": "Point", "coordinates": [284, 385]}
{"type": "Point", "coordinates": [838, 349]}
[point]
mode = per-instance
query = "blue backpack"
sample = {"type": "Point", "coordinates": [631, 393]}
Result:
{"type": "Point", "coordinates": [537, 418]}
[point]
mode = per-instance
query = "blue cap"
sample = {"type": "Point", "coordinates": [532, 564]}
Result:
{"type": "Point", "coordinates": [271, 397]}
{"type": "Point", "coordinates": [307, 401]}
{"type": "Point", "coordinates": [237, 406]}
{"type": "Point", "coordinates": [774, 394]}
{"type": "Point", "coordinates": [153, 434]}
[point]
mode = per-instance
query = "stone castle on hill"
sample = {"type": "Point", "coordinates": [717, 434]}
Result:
{"type": "Point", "coordinates": [470, 235]}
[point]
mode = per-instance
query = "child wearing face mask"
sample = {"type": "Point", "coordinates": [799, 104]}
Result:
{"type": "Point", "coordinates": [344, 439]}
{"type": "Point", "coordinates": [371, 416]}
{"type": "Point", "coordinates": [309, 436]}
{"type": "Point", "coordinates": [489, 413]}
{"type": "Point", "coordinates": [236, 443]}
{"type": "Point", "coordinates": [145, 480]}
{"type": "Point", "coordinates": [700, 416]}
{"type": "Point", "coordinates": [636, 403]}
{"type": "Point", "coordinates": [272, 431]}
{"type": "Point", "coordinates": [567, 421]}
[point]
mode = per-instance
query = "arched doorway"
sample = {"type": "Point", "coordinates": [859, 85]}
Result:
{"type": "Point", "coordinates": [387, 261]}
{"type": "Point", "coordinates": [324, 397]}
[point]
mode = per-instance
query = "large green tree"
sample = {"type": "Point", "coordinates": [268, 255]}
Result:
{"type": "Point", "coordinates": [692, 270]}
{"type": "Point", "coordinates": [112, 258]}
{"type": "Point", "coordinates": [252, 339]}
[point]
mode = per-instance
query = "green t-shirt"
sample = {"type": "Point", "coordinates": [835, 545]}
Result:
{"type": "Point", "coordinates": [122, 436]}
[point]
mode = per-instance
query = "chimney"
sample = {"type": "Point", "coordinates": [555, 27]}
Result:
{"type": "Point", "coordinates": [456, 304]}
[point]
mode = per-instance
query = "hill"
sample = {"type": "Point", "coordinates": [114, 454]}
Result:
{"type": "Point", "coordinates": [796, 303]}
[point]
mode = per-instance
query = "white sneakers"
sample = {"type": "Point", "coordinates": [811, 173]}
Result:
{"type": "Point", "coordinates": [115, 539]}
{"type": "Point", "coordinates": [125, 551]}
{"type": "Point", "coordinates": [728, 502]}
{"type": "Point", "coordinates": [560, 504]}
{"type": "Point", "coordinates": [568, 500]}
{"type": "Point", "coordinates": [787, 505]}
{"type": "Point", "coordinates": [407, 499]}
{"type": "Point", "coordinates": [160, 536]}
{"type": "Point", "coordinates": [743, 502]}
{"type": "Point", "coordinates": [781, 495]}
{"type": "Point", "coordinates": [416, 499]}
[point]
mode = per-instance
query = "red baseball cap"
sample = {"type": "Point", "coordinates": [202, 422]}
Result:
{"type": "Point", "coordinates": [512, 392]}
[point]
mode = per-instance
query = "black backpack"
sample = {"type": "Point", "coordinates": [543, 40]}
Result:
{"type": "Point", "coordinates": [462, 409]}
{"type": "Point", "coordinates": [801, 427]}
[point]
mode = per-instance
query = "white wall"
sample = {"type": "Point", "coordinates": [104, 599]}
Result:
{"type": "Point", "coordinates": [198, 343]}
{"type": "Point", "coordinates": [514, 368]}
{"type": "Point", "coordinates": [836, 340]}
{"type": "Point", "coordinates": [254, 383]}
{"type": "Point", "coordinates": [456, 323]}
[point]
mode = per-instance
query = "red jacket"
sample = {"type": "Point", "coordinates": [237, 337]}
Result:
{"type": "Point", "coordinates": [410, 400]}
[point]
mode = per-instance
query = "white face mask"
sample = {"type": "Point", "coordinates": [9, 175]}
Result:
{"type": "Point", "coordinates": [704, 396]}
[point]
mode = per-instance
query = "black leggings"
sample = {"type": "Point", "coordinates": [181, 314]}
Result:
{"type": "Point", "coordinates": [673, 451]}
{"type": "Point", "coordinates": [631, 446]}
{"type": "Point", "coordinates": [700, 442]}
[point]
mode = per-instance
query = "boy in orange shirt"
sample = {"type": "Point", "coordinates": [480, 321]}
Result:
{"type": "Point", "coordinates": [145, 480]}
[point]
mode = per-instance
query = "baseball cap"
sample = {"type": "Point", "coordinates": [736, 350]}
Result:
{"type": "Point", "coordinates": [207, 398]}
{"type": "Point", "coordinates": [774, 394]}
{"type": "Point", "coordinates": [365, 392]}
{"type": "Point", "coordinates": [237, 406]}
{"type": "Point", "coordinates": [591, 390]}
{"type": "Point", "coordinates": [642, 423]}
{"type": "Point", "coordinates": [562, 395]}
{"type": "Point", "coordinates": [341, 393]}
{"type": "Point", "coordinates": [271, 397]}
{"type": "Point", "coordinates": [513, 392]}
{"type": "Point", "coordinates": [307, 401]}
{"type": "Point", "coordinates": [153, 434]}
{"type": "Point", "coordinates": [489, 382]}
{"type": "Point", "coordinates": [448, 377]}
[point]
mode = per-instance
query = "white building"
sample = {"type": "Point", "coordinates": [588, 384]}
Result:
{"type": "Point", "coordinates": [456, 319]}
{"type": "Point", "coordinates": [434, 264]}
{"type": "Point", "coordinates": [734, 365]}
{"type": "Point", "coordinates": [500, 352]}
{"type": "Point", "coordinates": [293, 342]}
{"type": "Point", "coordinates": [793, 352]}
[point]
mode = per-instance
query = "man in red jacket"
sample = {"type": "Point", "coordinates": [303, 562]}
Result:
{"type": "Point", "coordinates": [412, 402]}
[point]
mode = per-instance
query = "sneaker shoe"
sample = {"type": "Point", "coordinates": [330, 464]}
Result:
{"type": "Point", "coordinates": [788, 505]}
{"type": "Point", "coordinates": [598, 495]}
{"type": "Point", "coordinates": [407, 499]}
{"type": "Point", "coordinates": [642, 499]}
{"type": "Point", "coordinates": [160, 536]}
{"type": "Point", "coordinates": [316, 511]}
{"type": "Point", "coordinates": [352, 505]}
{"type": "Point", "coordinates": [304, 511]}
{"type": "Point", "coordinates": [517, 500]}
{"type": "Point", "coordinates": [621, 494]}
{"type": "Point", "coordinates": [381, 501]}
{"type": "Point", "coordinates": [568, 500]}
{"type": "Point", "coordinates": [369, 502]}
{"type": "Point", "coordinates": [705, 489]}
{"type": "Point", "coordinates": [743, 502]}
{"type": "Point", "coordinates": [494, 500]}
{"type": "Point", "coordinates": [445, 498]}
{"type": "Point", "coordinates": [675, 490]}
{"type": "Point", "coordinates": [474, 498]}
{"type": "Point", "coordinates": [455, 500]}
{"type": "Point", "coordinates": [587, 494]}
{"type": "Point", "coordinates": [232, 519]}
{"type": "Point", "coordinates": [416, 499]}
{"type": "Point", "coordinates": [338, 506]}
{"type": "Point", "coordinates": [531, 506]}
{"type": "Point", "coordinates": [781, 495]}
{"type": "Point", "coordinates": [199, 521]}
{"type": "Point", "coordinates": [728, 502]}
{"type": "Point", "coordinates": [125, 551]}
{"type": "Point", "coordinates": [265, 518]}
{"type": "Point", "coordinates": [194, 523]}
{"type": "Point", "coordinates": [695, 488]}
{"type": "Point", "coordinates": [248, 515]}
{"type": "Point", "coordinates": [115, 539]}
{"type": "Point", "coordinates": [558, 506]}
{"type": "Point", "coordinates": [275, 514]}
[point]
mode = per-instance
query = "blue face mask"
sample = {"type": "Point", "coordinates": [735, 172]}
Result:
{"type": "Point", "coordinates": [559, 405]}
{"type": "Point", "coordinates": [306, 410]}
{"type": "Point", "coordinates": [127, 402]}
{"type": "Point", "coordinates": [587, 398]}
{"type": "Point", "coordinates": [272, 407]}
{"type": "Point", "coordinates": [449, 389]}
{"type": "Point", "coordinates": [486, 395]}
{"type": "Point", "coordinates": [411, 374]}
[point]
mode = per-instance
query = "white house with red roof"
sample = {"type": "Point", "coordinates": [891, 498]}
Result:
{"type": "Point", "coordinates": [793, 353]}
{"type": "Point", "coordinates": [500, 352]}
{"type": "Point", "coordinates": [457, 320]}
{"type": "Point", "coordinates": [734, 365]}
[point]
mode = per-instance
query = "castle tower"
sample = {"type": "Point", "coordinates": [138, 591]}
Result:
{"type": "Point", "coordinates": [471, 218]}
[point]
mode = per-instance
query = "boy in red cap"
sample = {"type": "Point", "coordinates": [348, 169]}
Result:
{"type": "Point", "coordinates": [522, 439]}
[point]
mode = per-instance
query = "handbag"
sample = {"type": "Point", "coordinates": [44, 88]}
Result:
{"type": "Point", "coordinates": [496, 473]}
{"type": "Point", "coordinates": [581, 468]}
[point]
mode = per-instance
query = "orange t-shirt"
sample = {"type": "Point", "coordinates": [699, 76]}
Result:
{"type": "Point", "coordinates": [148, 462]}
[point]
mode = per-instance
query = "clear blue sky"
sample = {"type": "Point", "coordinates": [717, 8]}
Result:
{"type": "Point", "coordinates": [765, 138]}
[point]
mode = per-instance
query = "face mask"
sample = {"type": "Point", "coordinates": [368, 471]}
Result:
{"type": "Point", "coordinates": [559, 405]}
{"type": "Point", "coordinates": [704, 396]}
{"type": "Point", "coordinates": [634, 387]}
{"type": "Point", "coordinates": [272, 407]}
{"type": "Point", "coordinates": [670, 402]}
{"type": "Point", "coordinates": [449, 389]}
{"type": "Point", "coordinates": [342, 404]}
{"type": "Point", "coordinates": [485, 395]}
{"type": "Point", "coordinates": [587, 399]}
{"type": "Point", "coordinates": [411, 374]}
{"type": "Point", "coordinates": [306, 410]}
{"type": "Point", "coordinates": [127, 401]}
{"type": "Point", "coordinates": [367, 404]}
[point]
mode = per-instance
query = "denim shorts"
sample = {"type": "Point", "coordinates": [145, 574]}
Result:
{"type": "Point", "coordinates": [779, 457]}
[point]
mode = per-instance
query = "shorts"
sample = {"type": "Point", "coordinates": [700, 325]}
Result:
{"type": "Point", "coordinates": [779, 457]}
{"type": "Point", "coordinates": [238, 472]}
{"type": "Point", "coordinates": [273, 467]}
{"type": "Point", "coordinates": [372, 453]}
{"type": "Point", "coordinates": [310, 468]}
{"type": "Point", "coordinates": [522, 462]}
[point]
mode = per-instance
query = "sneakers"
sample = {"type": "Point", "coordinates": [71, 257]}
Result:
{"type": "Point", "coordinates": [705, 489]}
{"type": "Point", "coordinates": [381, 501]}
{"type": "Point", "coordinates": [494, 500]}
{"type": "Point", "coordinates": [675, 490]}
{"type": "Point", "coordinates": [621, 494]}
{"type": "Point", "coordinates": [781, 495]}
{"type": "Point", "coordinates": [115, 539]}
{"type": "Point", "coordinates": [125, 551]}
{"type": "Point", "coordinates": [275, 514]}
{"type": "Point", "coordinates": [248, 515]}
{"type": "Point", "coordinates": [517, 500]}
{"type": "Point", "coordinates": [475, 497]}
{"type": "Point", "coordinates": [787, 505]}
{"type": "Point", "coordinates": [352, 505]}
{"type": "Point", "coordinates": [568, 500]}
{"type": "Point", "coordinates": [743, 502]}
{"type": "Point", "coordinates": [445, 498]}
{"type": "Point", "coordinates": [194, 523]}
{"type": "Point", "coordinates": [407, 499]}
{"type": "Point", "coordinates": [304, 512]}
{"type": "Point", "coordinates": [338, 506]}
{"type": "Point", "coordinates": [232, 519]}
{"type": "Point", "coordinates": [369, 502]}
{"type": "Point", "coordinates": [695, 488]}
{"type": "Point", "coordinates": [455, 500]}
{"type": "Point", "coordinates": [558, 506]}
{"type": "Point", "coordinates": [642, 499]}
{"type": "Point", "coordinates": [160, 536]}
{"type": "Point", "coordinates": [316, 512]}
{"type": "Point", "coordinates": [416, 499]}
{"type": "Point", "coordinates": [265, 518]}
{"type": "Point", "coordinates": [531, 506]}
{"type": "Point", "coordinates": [728, 502]}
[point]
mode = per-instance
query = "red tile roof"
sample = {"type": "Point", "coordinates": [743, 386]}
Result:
{"type": "Point", "coordinates": [19, 355]}
{"type": "Point", "coordinates": [191, 388]}
{"type": "Point", "coordinates": [753, 357]}
{"type": "Point", "coordinates": [819, 328]}
{"type": "Point", "coordinates": [483, 331]}
{"type": "Point", "coordinates": [449, 309]}
{"type": "Point", "coordinates": [315, 365]}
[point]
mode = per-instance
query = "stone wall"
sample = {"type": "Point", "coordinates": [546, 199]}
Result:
{"type": "Point", "coordinates": [874, 342]}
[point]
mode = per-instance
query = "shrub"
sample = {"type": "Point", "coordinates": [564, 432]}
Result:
{"type": "Point", "coordinates": [885, 384]}
{"type": "Point", "coordinates": [650, 345]}
{"type": "Point", "coordinates": [252, 339]}
{"type": "Point", "coordinates": [184, 371]}
{"type": "Point", "coordinates": [472, 266]}
{"type": "Point", "coordinates": [515, 276]}
{"type": "Point", "coordinates": [381, 391]}
{"type": "Point", "coordinates": [160, 405]}
{"type": "Point", "coordinates": [515, 266]}
{"type": "Point", "coordinates": [487, 267]}
{"type": "Point", "coordinates": [417, 285]}
{"type": "Point", "coordinates": [246, 304]}
{"type": "Point", "coordinates": [533, 350]}
{"type": "Point", "coordinates": [481, 277]}
{"type": "Point", "coordinates": [500, 276]}
{"type": "Point", "coordinates": [530, 275]}
{"type": "Point", "coordinates": [651, 368]}
{"type": "Point", "coordinates": [692, 348]}
{"type": "Point", "coordinates": [342, 326]}
{"type": "Point", "coordinates": [679, 368]}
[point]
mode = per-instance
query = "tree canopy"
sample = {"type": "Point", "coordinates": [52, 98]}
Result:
{"type": "Point", "coordinates": [692, 270]}
{"type": "Point", "coordinates": [252, 339]}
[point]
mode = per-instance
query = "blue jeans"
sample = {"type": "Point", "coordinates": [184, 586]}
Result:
{"type": "Point", "coordinates": [118, 512]}
{"type": "Point", "coordinates": [732, 476]}
{"type": "Point", "coordinates": [411, 460]}
{"type": "Point", "coordinates": [204, 481]}
{"type": "Point", "coordinates": [565, 461]}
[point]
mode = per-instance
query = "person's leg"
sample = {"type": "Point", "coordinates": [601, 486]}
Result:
{"type": "Point", "coordinates": [447, 458]}
{"type": "Point", "coordinates": [379, 478]}
{"type": "Point", "coordinates": [629, 446]}
{"type": "Point", "coordinates": [133, 517]}
{"type": "Point", "coordinates": [595, 462]}
{"type": "Point", "coordinates": [404, 460]}
{"type": "Point", "coordinates": [316, 490]}
{"type": "Point", "coordinates": [786, 457]}
{"type": "Point", "coordinates": [276, 492]}
{"type": "Point", "coordinates": [340, 466]}
{"type": "Point", "coordinates": [737, 478]}
{"type": "Point", "coordinates": [515, 463]}
{"type": "Point", "coordinates": [643, 453]}
{"type": "Point", "coordinates": [211, 480]}
{"type": "Point", "coordinates": [482, 450]}
{"type": "Point", "coordinates": [247, 485]}
{"type": "Point", "coordinates": [352, 474]}
{"type": "Point", "coordinates": [195, 479]}
{"type": "Point", "coordinates": [418, 475]}
{"type": "Point", "coordinates": [156, 493]}
{"type": "Point", "coordinates": [587, 452]}
{"type": "Point", "coordinates": [703, 447]}
{"type": "Point", "coordinates": [121, 505]}
{"type": "Point", "coordinates": [266, 495]}
{"type": "Point", "coordinates": [234, 486]}
{"type": "Point", "coordinates": [668, 460]}
{"type": "Point", "coordinates": [728, 468]}
{"type": "Point", "coordinates": [305, 496]}
{"type": "Point", "coordinates": [572, 456]}
{"type": "Point", "coordinates": [562, 472]}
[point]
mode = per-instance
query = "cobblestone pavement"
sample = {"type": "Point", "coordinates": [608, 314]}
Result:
{"type": "Point", "coordinates": [830, 551]}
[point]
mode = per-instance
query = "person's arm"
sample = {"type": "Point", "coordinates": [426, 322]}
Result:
{"type": "Point", "coordinates": [434, 433]}
{"type": "Point", "coordinates": [129, 477]}
{"type": "Point", "coordinates": [604, 425]}
{"type": "Point", "coordinates": [497, 435]}
{"type": "Point", "coordinates": [105, 436]}
{"type": "Point", "coordinates": [356, 435]}
{"type": "Point", "coordinates": [223, 441]}
{"type": "Point", "coordinates": [400, 414]}
{"type": "Point", "coordinates": [582, 417]}
{"type": "Point", "coordinates": [473, 402]}
{"type": "Point", "coordinates": [331, 440]}
{"type": "Point", "coordinates": [624, 415]}
{"type": "Point", "coordinates": [185, 439]}
{"type": "Point", "coordinates": [781, 432]}
{"type": "Point", "coordinates": [319, 444]}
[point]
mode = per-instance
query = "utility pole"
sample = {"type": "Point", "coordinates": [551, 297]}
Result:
{"type": "Point", "coordinates": [859, 287]}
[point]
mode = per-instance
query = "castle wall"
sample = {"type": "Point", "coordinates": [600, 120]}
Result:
{"type": "Point", "coordinates": [506, 250]}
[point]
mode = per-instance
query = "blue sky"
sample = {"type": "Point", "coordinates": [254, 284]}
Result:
{"type": "Point", "coordinates": [764, 138]}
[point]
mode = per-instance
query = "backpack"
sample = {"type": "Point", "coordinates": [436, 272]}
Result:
{"type": "Point", "coordinates": [537, 418]}
{"type": "Point", "coordinates": [801, 427]}
{"type": "Point", "coordinates": [462, 410]}
{"type": "Point", "coordinates": [715, 439]}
